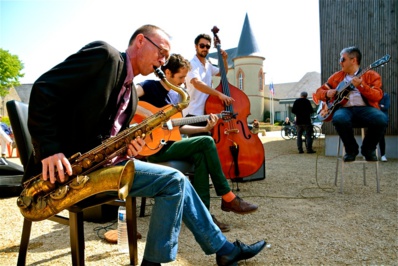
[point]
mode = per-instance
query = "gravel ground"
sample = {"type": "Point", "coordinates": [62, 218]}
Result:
{"type": "Point", "coordinates": [301, 214]}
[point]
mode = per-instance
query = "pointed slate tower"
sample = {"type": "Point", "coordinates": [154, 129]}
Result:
{"type": "Point", "coordinates": [247, 43]}
{"type": "Point", "coordinates": [248, 71]}
{"type": "Point", "coordinates": [245, 70]}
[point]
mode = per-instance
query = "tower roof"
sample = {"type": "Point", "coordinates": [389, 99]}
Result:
{"type": "Point", "coordinates": [247, 45]}
{"type": "Point", "coordinates": [247, 42]}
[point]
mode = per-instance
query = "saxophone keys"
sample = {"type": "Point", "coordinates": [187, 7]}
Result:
{"type": "Point", "coordinates": [109, 150]}
{"type": "Point", "coordinates": [86, 163]}
{"type": "Point", "coordinates": [138, 133]}
{"type": "Point", "coordinates": [24, 201]}
{"type": "Point", "coordinates": [77, 169]}
{"type": "Point", "coordinates": [60, 193]}
{"type": "Point", "coordinates": [99, 157]}
{"type": "Point", "coordinates": [79, 182]}
{"type": "Point", "coordinates": [41, 203]}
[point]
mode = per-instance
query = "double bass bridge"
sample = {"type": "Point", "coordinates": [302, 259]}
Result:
{"type": "Point", "coordinates": [231, 131]}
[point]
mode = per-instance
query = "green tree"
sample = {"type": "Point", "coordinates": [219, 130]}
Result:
{"type": "Point", "coordinates": [10, 71]}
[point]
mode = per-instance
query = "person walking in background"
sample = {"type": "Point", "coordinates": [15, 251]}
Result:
{"type": "Point", "coordinates": [362, 107]}
{"type": "Point", "coordinates": [98, 80]}
{"type": "Point", "coordinates": [384, 105]}
{"type": "Point", "coordinates": [303, 110]}
{"type": "Point", "coordinates": [199, 78]}
{"type": "Point", "coordinates": [200, 150]}
{"type": "Point", "coordinates": [5, 137]}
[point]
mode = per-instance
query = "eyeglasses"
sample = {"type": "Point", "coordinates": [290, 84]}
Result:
{"type": "Point", "coordinates": [163, 52]}
{"type": "Point", "coordinates": [202, 45]}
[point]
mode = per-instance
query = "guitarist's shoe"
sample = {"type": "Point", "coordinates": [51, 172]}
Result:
{"type": "Point", "coordinates": [370, 156]}
{"type": "Point", "coordinates": [348, 157]}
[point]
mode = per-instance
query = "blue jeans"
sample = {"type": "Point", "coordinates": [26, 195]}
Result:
{"type": "Point", "coordinates": [175, 201]}
{"type": "Point", "coordinates": [345, 119]}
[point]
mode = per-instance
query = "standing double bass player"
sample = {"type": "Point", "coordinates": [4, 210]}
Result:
{"type": "Point", "coordinates": [199, 79]}
{"type": "Point", "coordinates": [241, 152]}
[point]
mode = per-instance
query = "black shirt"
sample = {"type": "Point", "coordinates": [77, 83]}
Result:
{"type": "Point", "coordinates": [302, 109]}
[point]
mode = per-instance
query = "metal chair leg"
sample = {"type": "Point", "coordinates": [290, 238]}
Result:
{"type": "Point", "coordinates": [364, 162]}
{"type": "Point", "coordinates": [337, 162]}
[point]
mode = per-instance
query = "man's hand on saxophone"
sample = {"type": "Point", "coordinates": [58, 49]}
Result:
{"type": "Point", "coordinates": [135, 146]}
{"type": "Point", "coordinates": [58, 161]}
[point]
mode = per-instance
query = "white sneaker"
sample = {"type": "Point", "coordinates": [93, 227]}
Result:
{"type": "Point", "coordinates": [383, 158]}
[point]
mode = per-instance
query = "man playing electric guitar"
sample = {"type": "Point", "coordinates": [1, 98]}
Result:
{"type": "Point", "coordinates": [358, 108]}
{"type": "Point", "coordinates": [201, 149]}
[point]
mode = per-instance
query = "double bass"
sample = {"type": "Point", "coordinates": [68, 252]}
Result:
{"type": "Point", "coordinates": [241, 152]}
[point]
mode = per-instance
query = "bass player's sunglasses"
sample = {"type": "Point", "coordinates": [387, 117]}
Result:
{"type": "Point", "coordinates": [202, 45]}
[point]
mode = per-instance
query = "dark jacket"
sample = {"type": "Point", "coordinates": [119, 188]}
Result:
{"type": "Point", "coordinates": [72, 106]}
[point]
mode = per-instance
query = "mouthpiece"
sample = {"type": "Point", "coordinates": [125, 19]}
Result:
{"type": "Point", "coordinates": [159, 73]}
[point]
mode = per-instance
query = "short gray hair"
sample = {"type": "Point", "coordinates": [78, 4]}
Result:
{"type": "Point", "coordinates": [304, 94]}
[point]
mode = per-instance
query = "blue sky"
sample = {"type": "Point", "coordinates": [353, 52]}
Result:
{"type": "Point", "coordinates": [43, 33]}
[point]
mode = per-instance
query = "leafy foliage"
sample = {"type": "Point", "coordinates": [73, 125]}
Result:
{"type": "Point", "coordinates": [10, 71]}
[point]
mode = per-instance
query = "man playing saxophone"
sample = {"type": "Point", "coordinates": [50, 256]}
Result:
{"type": "Point", "coordinates": [87, 98]}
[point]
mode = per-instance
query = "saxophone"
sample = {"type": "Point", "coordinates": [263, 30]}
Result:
{"type": "Point", "coordinates": [41, 199]}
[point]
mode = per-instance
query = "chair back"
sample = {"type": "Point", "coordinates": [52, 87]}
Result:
{"type": "Point", "coordinates": [18, 114]}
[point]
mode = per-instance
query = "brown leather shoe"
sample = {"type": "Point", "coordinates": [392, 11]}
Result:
{"type": "Point", "coordinates": [111, 236]}
{"type": "Point", "coordinates": [239, 206]}
{"type": "Point", "coordinates": [223, 227]}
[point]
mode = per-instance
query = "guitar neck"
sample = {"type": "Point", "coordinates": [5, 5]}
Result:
{"type": "Point", "coordinates": [363, 71]}
{"type": "Point", "coordinates": [191, 120]}
{"type": "Point", "coordinates": [358, 76]}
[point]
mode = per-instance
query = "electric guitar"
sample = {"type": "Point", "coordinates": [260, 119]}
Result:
{"type": "Point", "coordinates": [328, 108]}
{"type": "Point", "coordinates": [168, 131]}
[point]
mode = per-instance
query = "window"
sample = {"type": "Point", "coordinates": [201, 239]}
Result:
{"type": "Point", "coordinates": [261, 80]}
{"type": "Point", "coordinates": [240, 78]}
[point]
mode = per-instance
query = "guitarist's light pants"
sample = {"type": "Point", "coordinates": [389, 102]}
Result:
{"type": "Point", "coordinates": [202, 152]}
{"type": "Point", "coordinates": [347, 118]}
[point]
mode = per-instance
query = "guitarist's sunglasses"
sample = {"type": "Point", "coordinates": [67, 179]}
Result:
{"type": "Point", "coordinates": [342, 59]}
